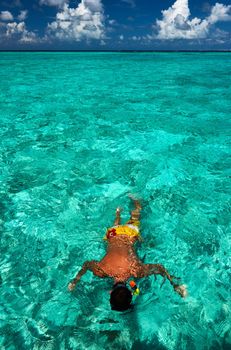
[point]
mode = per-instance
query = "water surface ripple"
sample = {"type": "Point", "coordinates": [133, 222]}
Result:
{"type": "Point", "coordinates": [78, 132]}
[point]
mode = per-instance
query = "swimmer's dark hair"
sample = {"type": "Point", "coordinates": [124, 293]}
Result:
{"type": "Point", "coordinates": [121, 297]}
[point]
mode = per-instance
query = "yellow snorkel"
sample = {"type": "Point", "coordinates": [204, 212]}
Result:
{"type": "Point", "coordinates": [134, 287]}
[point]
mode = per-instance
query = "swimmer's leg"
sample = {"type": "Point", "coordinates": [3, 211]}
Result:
{"type": "Point", "coordinates": [118, 218]}
{"type": "Point", "coordinates": [135, 214]}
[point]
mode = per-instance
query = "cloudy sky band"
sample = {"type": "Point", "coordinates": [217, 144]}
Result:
{"type": "Point", "coordinates": [87, 21]}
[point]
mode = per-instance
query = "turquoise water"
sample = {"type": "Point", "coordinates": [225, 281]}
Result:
{"type": "Point", "coordinates": [79, 131]}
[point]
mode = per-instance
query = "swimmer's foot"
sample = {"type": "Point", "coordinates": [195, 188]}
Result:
{"type": "Point", "coordinates": [118, 218]}
{"type": "Point", "coordinates": [181, 290]}
{"type": "Point", "coordinates": [71, 286]}
{"type": "Point", "coordinates": [118, 211]}
{"type": "Point", "coordinates": [135, 200]}
{"type": "Point", "coordinates": [135, 213]}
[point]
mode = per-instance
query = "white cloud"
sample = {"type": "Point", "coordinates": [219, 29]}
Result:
{"type": "Point", "coordinates": [220, 12]}
{"type": "Point", "coordinates": [136, 38]}
{"type": "Point", "coordinates": [16, 29]}
{"type": "Point", "coordinates": [85, 22]}
{"type": "Point", "coordinates": [6, 16]}
{"type": "Point", "coordinates": [112, 22]}
{"type": "Point", "coordinates": [19, 31]}
{"type": "Point", "coordinates": [176, 22]}
{"type": "Point", "coordinates": [23, 15]}
{"type": "Point", "coordinates": [58, 3]}
{"type": "Point", "coordinates": [29, 37]}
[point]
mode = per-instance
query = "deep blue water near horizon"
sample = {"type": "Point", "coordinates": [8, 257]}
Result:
{"type": "Point", "coordinates": [79, 131]}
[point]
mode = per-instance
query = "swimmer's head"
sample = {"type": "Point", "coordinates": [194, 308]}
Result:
{"type": "Point", "coordinates": [121, 297]}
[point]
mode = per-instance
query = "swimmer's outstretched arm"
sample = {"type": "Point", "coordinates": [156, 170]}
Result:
{"type": "Point", "coordinates": [158, 269]}
{"type": "Point", "coordinates": [88, 265]}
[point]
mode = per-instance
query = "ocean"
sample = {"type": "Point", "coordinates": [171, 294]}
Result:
{"type": "Point", "coordinates": [81, 130]}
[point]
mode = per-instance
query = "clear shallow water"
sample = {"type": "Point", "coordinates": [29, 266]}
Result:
{"type": "Point", "coordinates": [78, 132]}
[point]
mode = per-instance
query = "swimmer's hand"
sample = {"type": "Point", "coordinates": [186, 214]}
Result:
{"type": "Point", "coordinates": [88, 265]}
{"type": "Point", "coordinates": [181, 290]}
{"type": "Point", "coordinates": [72, 284]}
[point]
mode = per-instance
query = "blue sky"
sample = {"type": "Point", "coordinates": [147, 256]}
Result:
{"type": "Point", "coordinates": [115, 24]}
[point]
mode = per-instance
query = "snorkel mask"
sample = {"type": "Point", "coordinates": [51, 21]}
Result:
{"type": "Point", "coordinates": [135, 290]}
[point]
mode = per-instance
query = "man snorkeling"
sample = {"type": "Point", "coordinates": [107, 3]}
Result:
{"type": "Point", "coordinates": [121, 262]}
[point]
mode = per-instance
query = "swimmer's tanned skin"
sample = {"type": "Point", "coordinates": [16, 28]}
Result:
{"type": "Point", "coordinates": [121, 261]}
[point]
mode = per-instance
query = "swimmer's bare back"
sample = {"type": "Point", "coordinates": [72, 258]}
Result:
{"type": "Point", "coordinates": [121, 261]}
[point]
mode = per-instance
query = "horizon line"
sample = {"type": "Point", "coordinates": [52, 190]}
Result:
{"type": "Point", "coordinates": [70, 50]}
